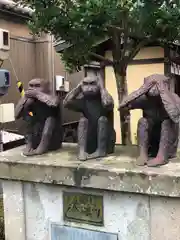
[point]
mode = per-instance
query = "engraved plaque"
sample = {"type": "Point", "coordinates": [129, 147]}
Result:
{"type": "Point", "coordinates": [1, 208]}
{"type": "Point", "coordinates": [85, 208]}
{"type": "Point", "coordinates": [71, 233]}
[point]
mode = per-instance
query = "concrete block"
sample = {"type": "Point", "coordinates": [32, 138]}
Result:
{"type": "Point", "coordinates": [43, 204]}
{"type": "Point", "coordinates": [165, 218]}
{"type": "Point", "coordinates": [14, 210]}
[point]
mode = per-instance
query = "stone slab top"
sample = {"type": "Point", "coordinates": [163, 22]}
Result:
{"type": "Point", "coordinates": [117, 172]}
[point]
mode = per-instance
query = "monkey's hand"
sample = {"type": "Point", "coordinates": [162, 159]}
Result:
{"type": "Point", "coordinates": [72, 95]}
{"type": "Point", "coordinates": [106, 99]}
{"type": "Point", "coordinates": [78, 88]}
{"type": "Point", "coordinates": [23, 105]}
{"type": "Point", "coordinates": [123, 105]}
{"type": "Point", "coordinates": [31, 93]}
{"type": "Point", "coordinates": [124, 110]}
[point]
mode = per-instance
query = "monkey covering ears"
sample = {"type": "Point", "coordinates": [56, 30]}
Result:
{"type": "Point", "coordinates": [44, 130]}
{"type": "Point", "coordinates": [96, 135]}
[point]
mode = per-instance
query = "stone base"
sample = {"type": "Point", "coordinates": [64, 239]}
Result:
{"type": "Point", "coordinates": [32, 208]}
{"type": "Point", "coordinates": [139, 203]}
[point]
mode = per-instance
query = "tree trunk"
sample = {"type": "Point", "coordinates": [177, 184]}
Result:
{"type": "Point", "coordinates": [122, 92]}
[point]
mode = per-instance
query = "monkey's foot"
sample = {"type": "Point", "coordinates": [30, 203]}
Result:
{"type": "Point", "coordinates": [96, 154]}
{"type": "Point", "coordinates": [142, 160]}
{"type": "Point", "coordinates": [27, 151]}
{"type": "Point", "coordinates": [82, 156]}
{"type": "Point", "coordinates": [31, 153]}
{"type": "Point", "coordinates": [34, 152]}
{"type": "Point", "coordinates": [156, 162]}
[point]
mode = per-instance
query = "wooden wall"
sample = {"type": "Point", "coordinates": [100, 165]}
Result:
{"type": "Point", "coordinates": [22, 60]}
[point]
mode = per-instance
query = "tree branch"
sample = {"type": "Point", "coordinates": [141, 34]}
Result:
{"type": "Point", "coordinates": [125, 36]}
{"type": "Point", "coordinates": [101, 58]}
{"type": "Point", "coordinates": [136, 49]}
{"type": "Point", "coordinates": [121, 30]}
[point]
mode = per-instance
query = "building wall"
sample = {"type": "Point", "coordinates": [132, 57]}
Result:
{"type": "Point", "coordinates": [16, 25]}
{"type": "Point", "coordinates": [22, 60]}
{"type": "Point", "coordinates": [142, 67]}
{"type": "Point", "coordinates": [73, 78]}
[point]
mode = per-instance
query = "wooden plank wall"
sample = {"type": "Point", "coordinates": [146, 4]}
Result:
{"type": "Point", "coordinates": [73, 79]}
{"type": "Point", "coordinates": [22, 55]}
{"type": "Point", "coordinates": [41, 56]}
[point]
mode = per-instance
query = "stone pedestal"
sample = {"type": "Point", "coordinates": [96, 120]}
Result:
{"type": "Point", "coordinates": [121, 201]}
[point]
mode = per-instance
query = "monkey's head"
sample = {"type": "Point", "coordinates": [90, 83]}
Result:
{"type": "Point", "coordinates": [39, 85]}
{"type": "Point", "coordinates": [90, 86]}
{"type": "Point", "coordinates": [157, 79]}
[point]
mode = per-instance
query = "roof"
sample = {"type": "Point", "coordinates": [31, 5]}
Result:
{"type": "Point", "coordinates": [11, 6]}
{"type": "Point", "coordinates": [61, 45]}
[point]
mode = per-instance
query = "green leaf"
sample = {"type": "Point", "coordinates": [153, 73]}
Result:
{"type": "Point", "coordinates": [82, 23]}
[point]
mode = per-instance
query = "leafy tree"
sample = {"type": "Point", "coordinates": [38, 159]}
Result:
{"type": "Point", "coordinates": [130, 24]}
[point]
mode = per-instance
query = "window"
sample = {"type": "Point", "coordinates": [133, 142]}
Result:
{"type": "Point", "coordinates": [5, 39]}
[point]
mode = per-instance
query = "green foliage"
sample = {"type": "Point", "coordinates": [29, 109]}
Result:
{"type": "Point", "coordinates": [82, 23]}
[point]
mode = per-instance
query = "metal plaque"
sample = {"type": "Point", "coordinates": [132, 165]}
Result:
{"type": "Point", "coordinates": [70, 233]}
{"type": "Point", "coordinates": [84, 208]}
{"type": "Point", "coordinates": [1, 208]}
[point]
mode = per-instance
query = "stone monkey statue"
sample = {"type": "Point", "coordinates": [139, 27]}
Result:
{"type": "Point", "coordinates": [157, 130]}
{"type": "Point", "coordinates": [96, 135]}
{"type": "Point", "coordinates": [44, 130]}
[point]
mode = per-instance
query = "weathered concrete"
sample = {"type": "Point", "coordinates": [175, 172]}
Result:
{"type": "Point", "coordinates": [116, 173]}
{"type": "Point", "coordinates": [165, 215]}
{"type": "Point", "coordinates": [127, 215]}
{"type": "Point", "coordinates": [14, 210]}
{"type": "Point", "coordinates": [33, 194]}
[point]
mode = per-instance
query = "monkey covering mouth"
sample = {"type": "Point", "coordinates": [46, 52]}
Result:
{"type": "Point", "coordinates": [44, 131]}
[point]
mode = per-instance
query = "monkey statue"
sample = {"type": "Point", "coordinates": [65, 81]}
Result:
{"type": "Point", "coordinates": [157, 130]}
{"type": "Point", "coordinates": [44, 128]}
{"type": "Point", "coordinates": [96, 135]}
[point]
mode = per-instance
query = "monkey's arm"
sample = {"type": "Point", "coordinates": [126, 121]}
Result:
{"type": "Point", "coordinates": [22, 106]}
{"type": "Point", "coordinates": [51, 101]}
{"type": "Point", "coordinates": [107, 100]}
{"type": "Point", "coordinates": [72, 102]}
{"type": "Point", "coordinates": [138, 103]}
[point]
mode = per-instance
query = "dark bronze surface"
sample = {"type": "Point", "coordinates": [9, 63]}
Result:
{"type": "Point", "coordinates": [158, 129]}
{"type": "Point", "coordinates": [96, 134]}
{"type": "Point", "coordinates": [1, 208]}
{"type": "Point", "coordinates": [44, 129]}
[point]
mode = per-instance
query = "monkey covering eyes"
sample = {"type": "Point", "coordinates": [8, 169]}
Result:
{"type": "Point", "coordinates": [96, 135]}
{"type": "Point", "coordinates": [44, 126]}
